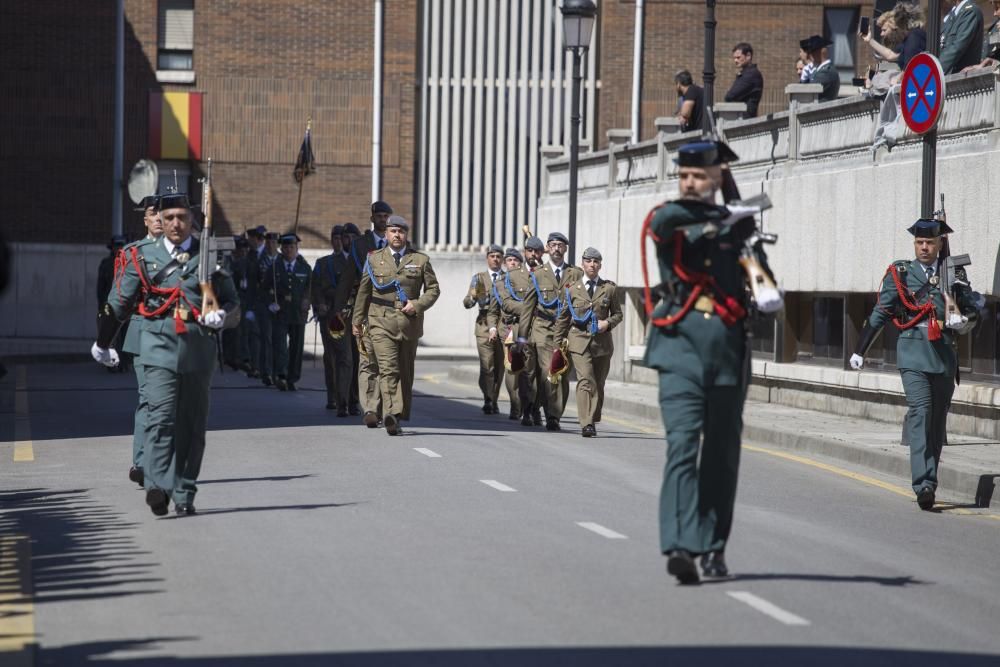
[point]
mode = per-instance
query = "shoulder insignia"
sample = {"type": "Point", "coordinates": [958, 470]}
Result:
{"type": "Point", "coordinates": [901, 265]}
{"type": "Point", "coordinates": [609, 282]}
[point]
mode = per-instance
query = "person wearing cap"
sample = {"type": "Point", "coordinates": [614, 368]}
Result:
{"type": "Point", "coordinates": [266, 299]}
{"type": "Point", "coordinates": [177, 350]}
{"type": "Point", "coordinates": [487, 342]}
{"type": "Point", "coordinates": [249, 296]}
{"type": "Point", "coordinates": [698, 342]}
{"type": "Point", "coordinates": [513, 313]}
{"type": "Point", "coordinates": [550, 280]}
{"type": "Point", "coordinates": [534, 251]}
{"type": "Point", "coordinates": [591, 311]}
{"type": "Point", "coordinates": [397, 288]}
{"type": "Point", "coordinates": [823, 71]}
{"type": "Point", "coordinates": [512, 261]}
{"type": "Point", "coordinates": [337, 352]}
{"type": "Point", "coordinates": [368, 370]}
{"type": "Point", "coordinates": [351, 234]}
{"type": "Point", "coordinates": [292, 277]}
{"type": "Point", "coordinates": [913, 299]}
{"type": "Point", "coordinates": [234, 343]}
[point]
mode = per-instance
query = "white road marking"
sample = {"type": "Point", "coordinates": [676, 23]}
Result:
{"type": "Point", "coordinates": [497, 485]}
{"type": "Point", "coordinates": [601, 530]}
{"type": "Point", "coordinates": [427, 452]}
{"type": "Point", "coordinates": [768, 608]}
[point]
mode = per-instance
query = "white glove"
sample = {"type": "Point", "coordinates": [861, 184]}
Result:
{"type": "Point", "coordinates": [737, 213]}
{"type": "Point", "coordinates": [769, 300]}
{"type": "Point", "coordinates": [214, 319]}
{"type": "Point", "coordinates": [108, 357]}
{"type": "Point", "coordinates": [273, 307]}
{"type": "Point", "coordinates": [857, 362]}
{"type": "Point", "coordinates": [959, 323]}
{"type": "Point", "coordinates": [251, 316]}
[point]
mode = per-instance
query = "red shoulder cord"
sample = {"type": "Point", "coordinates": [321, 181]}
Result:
{"type": "Point", "coordinates": [173, 295]}
{"type": "Point", "coordinates": [927, 310]}
{"type": "Point", "coordinates": [730, 311]}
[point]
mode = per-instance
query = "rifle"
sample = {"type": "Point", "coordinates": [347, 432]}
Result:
{"type": "Point", "coordinates": [752, 257]}
{"type": "Point", "coordinates": [206, 256]}
{"type": "Point", "coordinates": [949, 263]}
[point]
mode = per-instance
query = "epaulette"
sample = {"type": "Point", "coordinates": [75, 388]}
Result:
{"type": "Point", "coordinates": [135, 244]}
{"type": "Point", "coordinates": [609, 282]}
{"type": "Point", "coordinates": [901, 265]}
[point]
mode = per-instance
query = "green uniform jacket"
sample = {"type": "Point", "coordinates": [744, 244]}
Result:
{"type": "Point", "coordinates": [482, 285]}
{"type": "Point", "coordinates": [700, 347]}
{"type": "Point", "coordinates": [543, 329]}
{"type": "Point", "coordinates": [961, 39]}
{"type": "Point", "coordinates": [293, 289]}
{"type": "Point", "coordinates": [415, 276]}
{"type": "Point", "coordinates": [160, 345]}
{"type": "Point", "coordinates": [327, 276]}
{"type": "Point", "coordinates": [605, 307]}
{"type": "Point", "coordinates": [913, 350]}
{"type": "Point", "coordinates": [514, 304]}
{"type": "Point", "coordinates": [829, 78]}
{"type": "Point", "coordinates": [131, 343]}
{"type": "Point", "coordinates": [266, 287]}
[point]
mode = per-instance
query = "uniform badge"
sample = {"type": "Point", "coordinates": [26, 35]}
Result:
{"type": "Point", "coordinates": [182, 257]}
{"type": "Point", "coordinates": [934, 280]}
{"type": "Point", "coordinates": [182, 313]}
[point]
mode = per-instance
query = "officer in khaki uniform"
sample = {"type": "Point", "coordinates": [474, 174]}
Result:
{"type": "Point", "coordinates": [292, 278]}
{"type": "Point", "coordinates": [513, 314]}
{"type": "Point", "coordinates": [337, 353]}
{"type": "Point", "coordinates": [550, 280]}
{"type": "Point", "coordinates": [487, 342]}
{"type": "Point", "coordinates": [177, 348]}
{"type": "Point", "coordinates": [397, 287]}
{"type": "Point", "coordinates": [368, 370]}
{"type": "Point", "coordinates": [512, 260]}
{"type": "Point", "coordinates": [591, 311]}
{"type": "Point", "coordinates": [913, 300]}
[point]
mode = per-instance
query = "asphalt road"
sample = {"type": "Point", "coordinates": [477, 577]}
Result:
{"type": "Point", "coordinates": [470, 540]}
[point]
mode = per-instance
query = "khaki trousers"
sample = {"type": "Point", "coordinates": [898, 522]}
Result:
{"type": "Point", "coordinates": [368, 378]}
{"type": "Point", "coordinates": [490, 367]}
{"type": "Point", "coordinates": [591, 374]}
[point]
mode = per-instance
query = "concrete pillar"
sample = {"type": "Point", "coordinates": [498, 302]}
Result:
{"type": "Point", "coordinates": [798, 94]}
{"type": "Point", "coordinates": [666, 126]}
{"type": "Point", "coordinates": [729, 111]}
{"type": "Point", "coordinates": [616, 139]}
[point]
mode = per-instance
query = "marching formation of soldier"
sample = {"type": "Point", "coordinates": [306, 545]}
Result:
{"type": "Point", "coordinates": [535, 322]}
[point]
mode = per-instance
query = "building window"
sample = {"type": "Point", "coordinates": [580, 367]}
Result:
{"type": "Point", "coordinates": [176, 35]}
{"type": "Point", "coordinates": [821, 329]}
{"type": "Point", "coordinates": [840, 25]}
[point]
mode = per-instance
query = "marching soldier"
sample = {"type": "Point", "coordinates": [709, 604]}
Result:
{"type": "Point", "coordinates": [266, 306]}
{"type": "Point", "coordinates": [150, 207]}
{"type": "Point", "coordinates": [368, 369]}
{"type": "Point", "coordinates": [490, 351]}
{"type": "Point", "coordinates": [292, 277]}
{"type": "Point", "coordinates": [249, 296]}
{"type": "Point", "coordinates": [105, 276]}
{"type": "Point", "coordinates": [591, 311]}
{"type": "Point", "coordinates": [698, 343]}
{"type": "Point", "coordinates": [512, 260]}
{"type": "Point", "coordinates": [177, 350]}
{"type": "Point", "coordinates": [234, 345]}
{"type": "Point", "coordinates": [397, 287]}
{"type": "Point", "coordinates": [929, 320]}
{"type": "Point", "coordinates": [244, 259]}
{"type": "Point", "coordinates": [351, 233]}
{"type": "Point", "coordinates": [513, 314]}
{"type": "Point", "coordinates": [337, 351]}
{"type": "Point", "coordinates": [549, 280]}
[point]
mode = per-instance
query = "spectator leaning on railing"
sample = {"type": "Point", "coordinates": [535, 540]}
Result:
{"type": "Point", "coordinates": [961, 36]}
{"type": "Point", "coordinates": [902, 30]}
{"type": "Point", "coordinates": [991, 52]}
{"type": "Point", "coordinates": [749, 84]}
{"type": "Point", "coordinates": [692, 102]}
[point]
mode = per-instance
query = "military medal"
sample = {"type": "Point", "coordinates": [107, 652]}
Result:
{"type": "Point", "coordinates": [182, 257]}
{"type": "Point", "coordinates": [933, 280]}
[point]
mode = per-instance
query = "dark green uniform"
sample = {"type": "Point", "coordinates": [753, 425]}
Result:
{"type": "Point", "coordinates": [178, 358]}
{"type": "Point", "coordinates": [337, 353]}
{"type": "Point", "coordinates": [265, 303]}
{"type": "Point", "coordinates": [703, 364]}
{"type": "Point", "coordinates": [292, 281]}
{"type": "Point", "coordinates": [928, 368]}
{"type": "Point", "coordinates": [132, 346]}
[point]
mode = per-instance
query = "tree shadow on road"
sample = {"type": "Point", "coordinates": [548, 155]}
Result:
{"type": "Point", "coordinates": [97, 653]}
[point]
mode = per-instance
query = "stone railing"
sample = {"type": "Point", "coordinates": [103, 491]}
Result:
{"type": "Point", "coordinates": [808, 131]}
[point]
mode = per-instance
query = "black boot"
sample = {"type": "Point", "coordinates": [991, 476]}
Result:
{"type": "Point", "coordinates": [681, 565]}
{"type": "Point", "coordinates": [713, 565]}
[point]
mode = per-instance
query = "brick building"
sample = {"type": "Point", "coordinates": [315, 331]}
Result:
{"type": "Point", "coordinates": [264, 66]}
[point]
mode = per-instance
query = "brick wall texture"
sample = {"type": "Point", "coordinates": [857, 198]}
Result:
{"type": "Point", "coordinates": [267, 65]}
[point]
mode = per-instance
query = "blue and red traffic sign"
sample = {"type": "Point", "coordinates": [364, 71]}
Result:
{"type": "Point", "coordinates": [922, 92]}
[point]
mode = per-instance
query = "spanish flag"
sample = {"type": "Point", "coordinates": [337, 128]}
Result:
{"type": "Point", "coordinates": [175, 125]}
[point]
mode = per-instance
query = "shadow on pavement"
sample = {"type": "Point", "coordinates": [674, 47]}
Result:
{"type": "Point", "coordinates": [273, 478]}
{"type": "Point", "coordinates": [261, 508]}
{"type": "Point", "coordinates": [639, 656]}
{"type": "Point", "coordinates": [80, 550]}
{"type": "Point", "coordinates": [898, 582]}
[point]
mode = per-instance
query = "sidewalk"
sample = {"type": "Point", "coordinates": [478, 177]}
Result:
{"type": "Point", "coordinates": [970, 465]}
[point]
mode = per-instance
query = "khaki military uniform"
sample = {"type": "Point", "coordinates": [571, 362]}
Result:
{"type": "Point", "coordinates": [544, 331]}
{"type": "Point", "coordinates": [490, 351]}
{"type": "Point", "coordinates": [347, 290]}
{"type": "Point", "coordinates": [590, 351]}
{"type": "Point", "coordinates": [394, 335]}
{"type": "Point", "coordinates": [513, 310]}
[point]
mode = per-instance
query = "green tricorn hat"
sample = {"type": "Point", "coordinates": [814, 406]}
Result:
{"type": "Point", "coordinates": [929, 228]}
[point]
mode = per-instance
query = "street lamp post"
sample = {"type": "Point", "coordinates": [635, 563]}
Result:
{"type": "Point", "coordinates": [578, 25]}
{"type": "Point", "coordinates": [708, 74]}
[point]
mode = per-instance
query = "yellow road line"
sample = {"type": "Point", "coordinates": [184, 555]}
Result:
{"type": "Point", "coordinates": [24, 451]}
{"type": "Point", "coordinates": [17, 610]}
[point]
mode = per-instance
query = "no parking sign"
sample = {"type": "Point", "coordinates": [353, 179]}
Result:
{"type": "Point", "coordinates": [922, 92]}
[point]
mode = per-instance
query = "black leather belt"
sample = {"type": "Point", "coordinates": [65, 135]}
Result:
{"type": "Point", "coordinates": [510, 319]}
{"type": "Point", "coordinates": [545, 316]}
{"type": "Point", "coordinates": [384, 302]}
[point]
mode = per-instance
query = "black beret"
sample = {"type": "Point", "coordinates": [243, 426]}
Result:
{"type": "Point", "coordinates": [381, 207]}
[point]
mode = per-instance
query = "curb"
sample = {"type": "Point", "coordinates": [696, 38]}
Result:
{"type": "Point", "coordinates": [951, 482]}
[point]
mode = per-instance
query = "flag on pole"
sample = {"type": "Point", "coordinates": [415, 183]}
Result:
{"type": "Point", "coordinates": [305, 164]}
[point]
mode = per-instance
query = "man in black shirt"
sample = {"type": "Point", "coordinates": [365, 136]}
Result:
{"type": "Point", "coordinates": [692, 102]}
{"type": "Point", "coordinates": [749, 84]}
